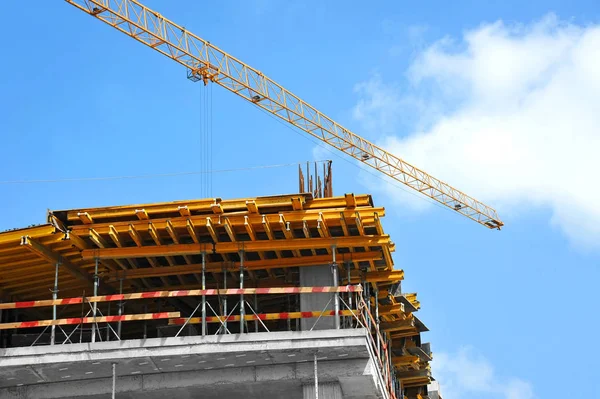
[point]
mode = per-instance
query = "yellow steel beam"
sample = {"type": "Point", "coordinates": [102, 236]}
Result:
{"type": "Point", "coordinates": [385, 276]}
{"type": "Point", "coordinates": [350, 200]}
{"type": "Point", "coordinates": [322, 226]}
{"type": "Point", "coordinates": [101, 242]}
{"type": "Point", "coordinates": [270, 235]}
{"type": "Point", "coordinates": [14, 236]}
{"type": "Point", "coordinates": [231, 247]}
{"type": "Point", "coordinates": [154, 234]}
{"type": "Point", "coordinates": [189, 225]}
{"type": "Point", "coordinates": [377, 222]}
{"type": "Point", "coordinates": [297, 203]}
{"type": "Point", "coordinates": [184, 211]}
{"type": "Point", "coordinates": [239, 220]}
{"type": "Point", "coordinates": [135, 235]}
{"type": "Point", "coordinates": [252, 207]}
{"type": "Point", "coordinates": [391, 309]}
{"type": "Point", "coordinates": [404, 334]}
{"type": "Point", "coordinates": [265, 264]}
{"type": "Point", "coordinates": [229, 229]}
{"type": "Point", "coordinates": [34, 246]}
{"type": "Point", "coordinates": [407, 360]}
{"type": "Point", "coordinates": [204, 206]}
{"type": "Point", "coordinates": [142, 214]}
{"type": "Point", "coordinates": [412, 297]}
{"type": "Point", "coordinates": [75, 240]}
{"type": "Point", "coordinates": [210, 227]}
{"type": "Point", "coordinates": [97, 239]}
{"type": "Point", "coordinates": [249, 229]}
{"type": "Point", "coordinates": [157, 240]}
{"type": "Point", "coordinates": [216, 208]}
{"type": "Point", "coordinates": [267, 227]}
{"type": "Point", "coordinates": [359, 224]}
{"type": "Point", "coordinates": [175, 237]}
{"type": "Point", "coordinates": [287, 232]}
{"type": "Point", "coordinates": [284, 225]}
{"type": "Point", "coordinates": [398, 325]}
{"type": "Point", "coordinates": [114, 235]}
{"type": "Point", "coordinates": [85, 218]}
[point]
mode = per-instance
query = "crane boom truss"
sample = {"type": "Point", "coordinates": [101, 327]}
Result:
{"type": "Point", "coordinates": [207, 62]}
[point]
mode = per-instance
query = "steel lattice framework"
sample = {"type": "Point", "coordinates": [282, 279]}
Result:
{"type": "Point", "coordinates": [206, 62]}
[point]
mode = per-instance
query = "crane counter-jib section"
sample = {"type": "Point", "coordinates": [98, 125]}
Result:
{"type": "Point", "coordinates": [209, 63]}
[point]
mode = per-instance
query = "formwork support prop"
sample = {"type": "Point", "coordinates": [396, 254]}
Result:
{"type": "Point", "coordinates": [377, 312]}
{"type": "Point", "coordinates": [336, 300]}
{"type": "Point", "coordinates": [203, 295]}
{"type": "Point", "coordinates": [95, 305]}
{"type": "Point", "coordinates": [54, 297]}
{"type": "Point", "coordinates": [242, 308]}
{"type": "Point", "coordinates": [225, 331]}
{"type": "Point", "coordinates": [121, 304]}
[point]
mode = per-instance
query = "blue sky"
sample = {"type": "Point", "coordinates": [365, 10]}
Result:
{"type": "Point", "coordinates": [476, 102]}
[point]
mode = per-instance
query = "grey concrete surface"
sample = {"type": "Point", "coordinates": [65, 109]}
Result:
{"type": "Point", "coordinates": [328, 390]}
{"type": "Point", "coordinates": [316, 276]}
{"type": "Point", "coordinates": [255, 365]}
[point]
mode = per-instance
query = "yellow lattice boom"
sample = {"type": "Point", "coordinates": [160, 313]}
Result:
{"type": "Point", "coordinates": [206, 62]}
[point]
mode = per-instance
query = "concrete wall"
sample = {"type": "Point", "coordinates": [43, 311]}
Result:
{"type": "Point", "coordinates": [316, 276]}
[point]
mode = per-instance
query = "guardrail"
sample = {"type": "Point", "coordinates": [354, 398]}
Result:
{"type": "Point", "coordinates": [359, 317]}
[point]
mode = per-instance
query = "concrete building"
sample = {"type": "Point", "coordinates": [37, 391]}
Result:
{"type": "Point", "coordinates": [264, 297]}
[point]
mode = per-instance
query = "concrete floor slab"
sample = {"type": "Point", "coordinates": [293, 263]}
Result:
{"type": "Point", "coordinates": [267, 364]}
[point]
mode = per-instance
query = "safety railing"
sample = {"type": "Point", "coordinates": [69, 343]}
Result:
{"type": "Point", "coordinates": [354, 312]}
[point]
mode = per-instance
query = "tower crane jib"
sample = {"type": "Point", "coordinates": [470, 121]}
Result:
{"type": "Point", "coordinates": [206, 62]}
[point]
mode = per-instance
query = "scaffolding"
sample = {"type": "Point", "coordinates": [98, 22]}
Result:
{"type": "Point", "coordinates": [213, 266]}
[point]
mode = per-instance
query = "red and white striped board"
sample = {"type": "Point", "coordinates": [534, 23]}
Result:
{"type": "Point", "coordinates": [263, 316]}
{"type": "Point", "coordinates": [89, 320]}
{"type": "Point", "coordinates": [181, 293]}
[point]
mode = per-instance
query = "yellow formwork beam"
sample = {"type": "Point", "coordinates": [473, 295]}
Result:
{"type": "Point", "coordinates": [232, 247]}
{"type": "Point", "coordinates": [365, 216]}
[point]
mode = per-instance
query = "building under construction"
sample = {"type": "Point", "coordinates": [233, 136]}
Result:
{"type": "Point", "coordinates": [290, 296]}
{"type": "Point", "coordinates": [254, 296]}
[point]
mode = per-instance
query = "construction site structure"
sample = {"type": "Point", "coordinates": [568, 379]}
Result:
{"type": "Point", "coordinates": [286, 295]}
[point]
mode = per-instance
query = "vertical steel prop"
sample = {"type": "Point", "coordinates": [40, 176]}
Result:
{"type": "Point", "coordinates": [108, 324]}
{"type": "Point", "coordinates": [225, 300]}
{"type": "Point", "coordinates": [145, 323]}
{"type": "Point", "coordinates": [120, 307]}
{"type": "Point", "coordinates": [377, 314]}
{"type": "Point", "coordinates": [255, 311]}
{"type": "Point", "coordinates": [95, 306]}
{"type": "Point", "coordinates": [350, 295]}
{"type": "Point", "coordinates": [242, 308]}
{"type": "Point", "coordinates": [54, 297]}
{"type": "Point", "coordinates": [203, 296]}
{"type": "Point", "coordinates": [336, 298]}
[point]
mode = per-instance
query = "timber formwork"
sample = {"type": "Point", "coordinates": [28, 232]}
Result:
{"type": "Point", "coordinates": [147, 260]}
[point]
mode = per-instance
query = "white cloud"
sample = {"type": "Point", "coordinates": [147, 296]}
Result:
{"type": "Point", "coordinates": [509, 114]}
{"type": "Point", "coordinates": [465, 374]}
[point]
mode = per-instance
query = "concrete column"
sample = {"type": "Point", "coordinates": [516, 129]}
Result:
{"type": "Point", "coordinates": [316, 276]}
{"type": "Point", "coordinates": [327, 390]}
